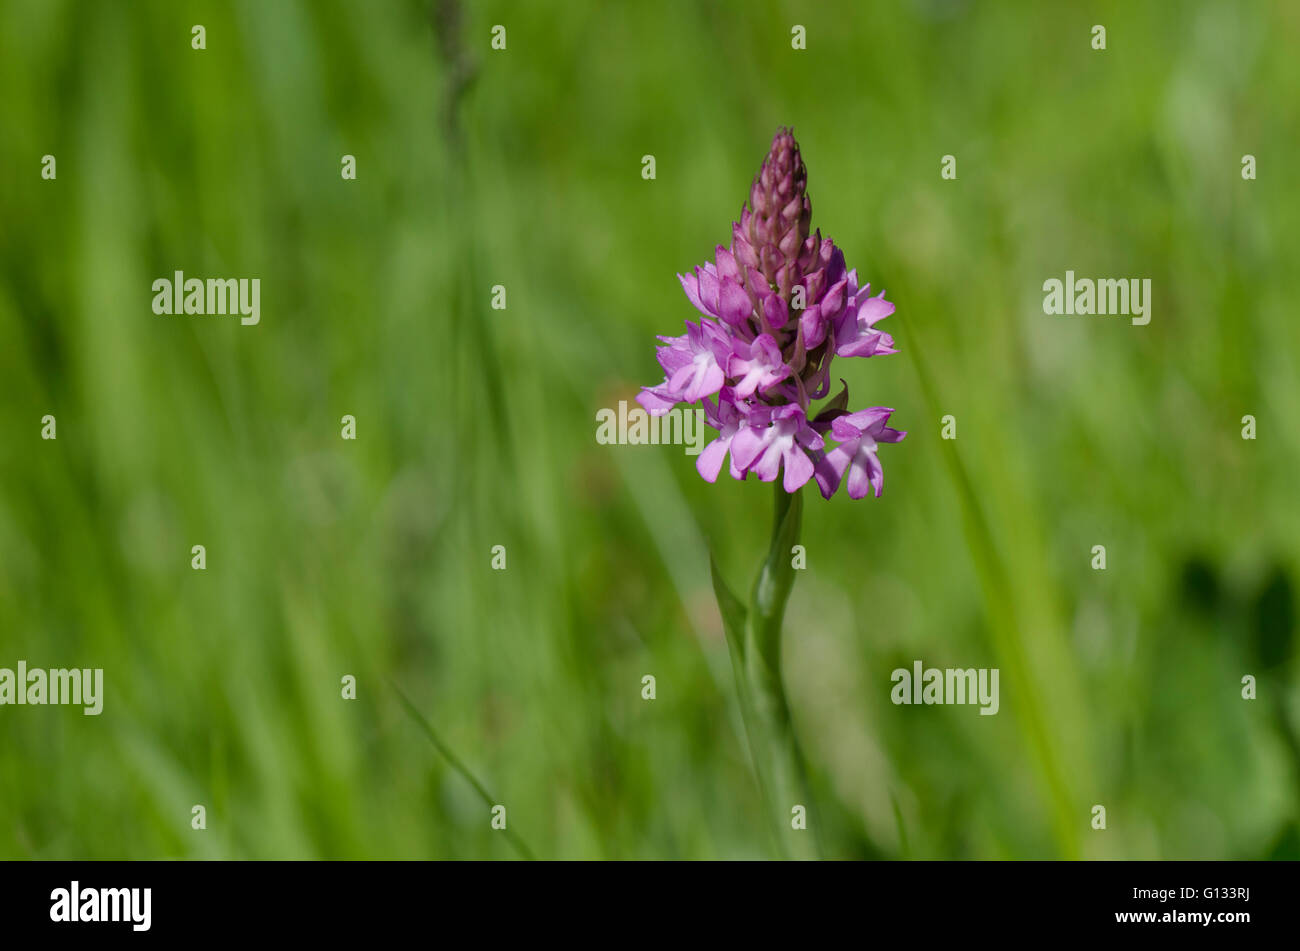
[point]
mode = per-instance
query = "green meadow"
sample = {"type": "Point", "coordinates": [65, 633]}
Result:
{"type": "Point", "coordinates": [475, 426]}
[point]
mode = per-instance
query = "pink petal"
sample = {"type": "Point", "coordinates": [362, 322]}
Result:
{"type": "Point", "coordinates": [708, 290]}
{"type": "Point", "coordinates": [798, 469]}
{"type": "Point", "coordinates": [734, 305]}
{"type": "Point", "coordinates": [709, 463]}
{"type": "Point", "coordinates": [858, 484]}
{"type": "Point", "coordinates": [745, 447]}
{"type": "Point", "coordinates": [691, 285]}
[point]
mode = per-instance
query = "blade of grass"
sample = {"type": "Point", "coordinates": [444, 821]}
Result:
{"type": "Point", "coordinates": [1005, 625]}
{"type": "Point", "coordinates": [454, 761]}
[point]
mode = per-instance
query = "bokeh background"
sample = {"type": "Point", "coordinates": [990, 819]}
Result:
{"type": "Point", "coordinates": [476, 427]}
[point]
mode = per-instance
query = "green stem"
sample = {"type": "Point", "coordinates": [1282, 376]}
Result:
{"type": "Point", "coordinates": [754, 643]}
{"type": "Point", "coordinates": [777, 753]}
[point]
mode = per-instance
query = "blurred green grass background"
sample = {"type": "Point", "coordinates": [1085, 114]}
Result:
{"type": "Point", "coordinates": [476, 427]}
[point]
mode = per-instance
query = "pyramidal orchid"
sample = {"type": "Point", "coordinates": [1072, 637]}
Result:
{"type": "Point", "coordinates": [776, 307]}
